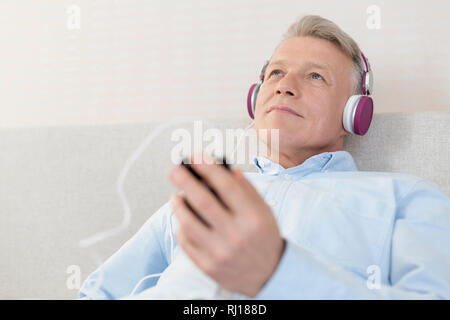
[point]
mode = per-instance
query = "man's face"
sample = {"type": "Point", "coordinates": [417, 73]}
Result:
{"type": "Point", "coordinates": [312, 77]}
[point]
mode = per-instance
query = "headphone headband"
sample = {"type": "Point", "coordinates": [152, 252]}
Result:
{"type": "Point", "coordinates": [367, 78]}
{"type": "Point", "coordinates": [263, 71]}
{"type": "Point", "coordinates": [366, 65]}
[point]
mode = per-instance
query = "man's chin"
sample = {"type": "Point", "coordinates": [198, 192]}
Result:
{"type": "Point", "coordinates": [283, 129]}
{"type": "Point", "coordinates": [281, 135]}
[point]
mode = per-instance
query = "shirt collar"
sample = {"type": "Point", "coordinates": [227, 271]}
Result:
{"type": "Point", "coordinates": [322, 162]}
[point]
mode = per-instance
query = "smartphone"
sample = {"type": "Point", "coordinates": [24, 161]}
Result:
{"type": "Point", "coordinates": [198, 177]}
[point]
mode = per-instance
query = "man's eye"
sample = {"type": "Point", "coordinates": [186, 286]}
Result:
{"type": "Point", "coordinates": [316, 74]}
{"type": "Point", "coordinates": [274, 71]}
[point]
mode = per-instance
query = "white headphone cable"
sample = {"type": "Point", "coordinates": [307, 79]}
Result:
{"type": "Point", "coordinates": [219, 290]}
{"type": "Point", "coordinates": [120, 182]}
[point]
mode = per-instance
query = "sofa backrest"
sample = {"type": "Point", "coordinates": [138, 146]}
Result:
{"type": "Point", "coordinates": [59, 185]}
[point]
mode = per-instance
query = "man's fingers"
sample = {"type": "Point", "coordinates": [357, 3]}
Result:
{"type": "Point", "coordinates": [245, 183]}
{"type": "Point", "coordinates": [200, 198]}
{"type": "Point", "coordinates": [231, 190]}
{"type": "Point", "coordinates": [196, 254]}
{"type": "Point", "coordinates": [197, 233]}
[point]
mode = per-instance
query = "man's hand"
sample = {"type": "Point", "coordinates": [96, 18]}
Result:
{"type": "Point", "coordinates": [243, 246]}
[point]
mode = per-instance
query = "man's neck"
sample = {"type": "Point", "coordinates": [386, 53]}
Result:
{"type": "Point", "coordinates": [289, 161]}
{"type": "Point", "coordinates": [297, 157]}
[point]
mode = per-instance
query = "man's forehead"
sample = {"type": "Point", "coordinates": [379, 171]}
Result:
{"type": "Point", "coordinates": [303, 63]}
{"type": "Point", "coordinates": [310, 52]}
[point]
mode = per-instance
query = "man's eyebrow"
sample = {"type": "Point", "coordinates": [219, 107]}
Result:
{"type": "Point", "coordinates": [308, 64]}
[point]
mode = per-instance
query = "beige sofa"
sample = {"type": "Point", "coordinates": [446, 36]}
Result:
{"type": "Point", "coordinates": [59, 185]}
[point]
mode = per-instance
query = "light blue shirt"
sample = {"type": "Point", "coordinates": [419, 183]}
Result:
{"type": "Point", "coordinates": [349, 235]}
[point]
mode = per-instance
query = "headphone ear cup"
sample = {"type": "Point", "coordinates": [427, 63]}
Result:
{"type": "Point", "coordinates": [251, 99]}
{"type": "Point", "coordinates": [357, 115]}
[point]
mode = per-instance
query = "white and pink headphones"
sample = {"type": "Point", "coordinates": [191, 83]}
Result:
{"type": "Point", "coordinates": [358, 110]}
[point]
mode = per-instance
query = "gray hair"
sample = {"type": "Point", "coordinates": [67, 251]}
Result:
{"type": "Point", "coordinates": [318, 27]}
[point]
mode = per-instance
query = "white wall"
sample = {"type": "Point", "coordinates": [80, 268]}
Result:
{"type": "Point", "coordinates": [136, 60]}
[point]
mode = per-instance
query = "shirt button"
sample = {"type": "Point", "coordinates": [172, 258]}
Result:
{"type": "Point", "coordinates": [287, 177]}
{"type": "Point", "coordinates": [272, 202]}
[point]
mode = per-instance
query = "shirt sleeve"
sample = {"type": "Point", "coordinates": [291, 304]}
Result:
{"type": "Point", "coordinates": [419, 258]}
{"type": "Point", "coordinates": [140, 256]}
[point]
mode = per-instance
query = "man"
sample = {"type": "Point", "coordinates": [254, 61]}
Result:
{"type": "Point", "coordinates": [310, 226]}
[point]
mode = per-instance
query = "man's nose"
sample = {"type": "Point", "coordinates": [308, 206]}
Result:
{"type": "Point", "coordinates": [285, 90]}
{"type": "Point", "coordinates": [287, 87]}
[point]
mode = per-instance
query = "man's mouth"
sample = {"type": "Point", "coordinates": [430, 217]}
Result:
{"type": "Point", "coordinates": [283, 109]}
